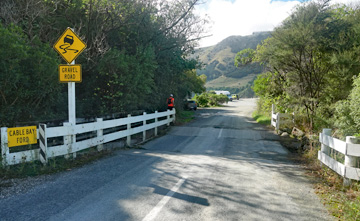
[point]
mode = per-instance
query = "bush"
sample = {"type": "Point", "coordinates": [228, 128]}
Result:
{"type": "Point", "coordinates": [347, 112]}
{"type": "Point", "coordinates": [30, 89]}
{"type": "Point", "coordinates": [202, 100]}
{"type": "Point", "coordinates": [210, 99]}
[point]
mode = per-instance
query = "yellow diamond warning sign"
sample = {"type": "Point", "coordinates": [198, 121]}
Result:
{"type": "Point", "coordinates": [70, 73]}
{"type": "Point", "coordinates": [69, 45]}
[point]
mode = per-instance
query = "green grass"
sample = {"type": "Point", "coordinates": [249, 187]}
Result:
{"type": "Point", "coordinates": [183, 117]}
{"type": "Point", "coordinates": [261, 119]}
{"type": "Point", "coordinates": [342, 202]}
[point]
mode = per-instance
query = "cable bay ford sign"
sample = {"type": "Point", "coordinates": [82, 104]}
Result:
{"type": "Point", "coordinates": [19, 136]}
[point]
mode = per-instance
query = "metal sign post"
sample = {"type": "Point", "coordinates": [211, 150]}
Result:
{"type": "Point", "coordinates": [71, 101]}
{"type": "Point", "coordinates": [70, 46]}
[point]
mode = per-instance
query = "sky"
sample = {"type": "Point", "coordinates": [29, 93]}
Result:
{"type": "Point", "coordinates": [243, 17]}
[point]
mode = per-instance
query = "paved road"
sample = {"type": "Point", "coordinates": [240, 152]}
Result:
{"type": "Point", "coordinates": [222, 166]}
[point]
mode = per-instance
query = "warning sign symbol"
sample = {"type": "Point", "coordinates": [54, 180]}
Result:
{"type": "Point", "coordinates": [69, 45]}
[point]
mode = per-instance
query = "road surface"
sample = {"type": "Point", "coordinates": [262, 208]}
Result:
{"type": "Point", "coordinates": [221, 166]}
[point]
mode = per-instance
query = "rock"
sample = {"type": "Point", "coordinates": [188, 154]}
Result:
{"type": "Point", "coordinates": [285, 134]}
{"type": "Point", "coordinates": [297, 132]}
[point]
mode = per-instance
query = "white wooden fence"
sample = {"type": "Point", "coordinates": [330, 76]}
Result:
{"type": "Point", "coordinates": [69, 132]}
{"type": "Point", "coordinates": [278, 119]}
{"type": "Point", "coordinates": [348, 148]}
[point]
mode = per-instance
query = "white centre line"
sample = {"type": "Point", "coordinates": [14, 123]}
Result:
{"type": "Point", "coordinates": [155, 211]}
{"type": "Point", "coordinates": [220, 133]}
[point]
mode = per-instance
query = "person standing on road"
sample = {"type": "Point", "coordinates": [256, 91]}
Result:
{"type": "Point", "coordinates": [170, 102]}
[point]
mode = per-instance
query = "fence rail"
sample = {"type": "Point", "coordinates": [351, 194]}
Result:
{"type": "Point", "coordinates": [69, 132]}
{"type": "Point", "coordinates": [350, 150]}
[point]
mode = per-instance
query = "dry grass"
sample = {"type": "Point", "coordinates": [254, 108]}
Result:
{"type": "Point", "coordinates": [342, 202]}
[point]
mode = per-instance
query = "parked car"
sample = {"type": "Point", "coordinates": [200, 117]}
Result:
{"type": "Point", "coordinates": [190, 105]}
{"type": "Point", "coordinates": [230, 98]}
{"type": "Point", "coordinates": [235, 96]}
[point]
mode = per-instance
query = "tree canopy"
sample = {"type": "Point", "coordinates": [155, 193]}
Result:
{"type": "Point", "coordinates": [311, 60]}
{"type": "Point", "coordinates": [136, 56]}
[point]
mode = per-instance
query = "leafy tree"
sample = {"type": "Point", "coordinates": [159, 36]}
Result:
{"type": "Point", "coordinates": [244, 57]}
{"type": "Point", "coordinates": [304, 58]}
{"type": "Point", "coordinates": [29, 89]}
{"type": "Point", "coordinates": [135, 56]}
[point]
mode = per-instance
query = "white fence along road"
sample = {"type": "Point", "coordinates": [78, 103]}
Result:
{"type": "Point", "coordinates": [69, 132]}
{"type": "Point", "coordinates": [348, 148]}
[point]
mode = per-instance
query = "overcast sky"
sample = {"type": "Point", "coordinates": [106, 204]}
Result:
{"type": "Point", "coordinates": [243, 17]}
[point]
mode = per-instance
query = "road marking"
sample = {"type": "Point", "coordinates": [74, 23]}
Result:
{"type": "Point", "coordinates": [155, 211]}
{"type": "Point", "coordinates": [220, 133]}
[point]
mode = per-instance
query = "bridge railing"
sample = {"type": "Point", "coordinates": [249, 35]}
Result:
{"type": "Point", "coordinates": [102, 131]}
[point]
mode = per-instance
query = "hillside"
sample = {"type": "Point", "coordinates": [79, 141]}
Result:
{"type": "Point", "coordinates": [219, 65]}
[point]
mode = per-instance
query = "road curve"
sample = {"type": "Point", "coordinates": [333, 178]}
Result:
{"type": "Point", "coordinates": [221, 166]}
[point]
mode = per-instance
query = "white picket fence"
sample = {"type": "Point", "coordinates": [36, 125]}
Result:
{"type": "Point", "coordinates": [348, 148]}
{"type": "Point", "coordinates": [278, 119]}
{"type": "Point", "coordinates": [69, 132]}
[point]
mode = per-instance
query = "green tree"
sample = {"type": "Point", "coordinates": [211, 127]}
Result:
{"type": "Point", "coordinates": [136, 51]}
{"type": "Point", "coordinates": [29, 86]}
{"type": "Point", "coordinates": [244, 57]}
{"type": "Point", "coordinates": [303, 56]}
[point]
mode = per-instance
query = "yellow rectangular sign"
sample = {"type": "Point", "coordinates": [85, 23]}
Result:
{"type": "Point", "coordinates": [19, 136]}
{"type": "Point", "coordinates": [70, 73]}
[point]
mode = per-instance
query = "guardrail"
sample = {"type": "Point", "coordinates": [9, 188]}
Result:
{"type": "Point", "coordinates": [278, 119]}
{"type": "Point", "coordinates": [350, 150]}
{"type": "Point", "coordinates": [104, 131]}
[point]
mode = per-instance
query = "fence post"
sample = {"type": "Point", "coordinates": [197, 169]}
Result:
{"type": "Point", "coordinates": [325, 149]}
{"type": "Point", "coordinates": [128, 138]}
{"type": "Point", "coordinates": [174, 117]}
{"type": "Point", "coordinates": [43, 144]}
{"type": "Point", "coordinates": [278, 121]}
{"type": "Point", "coordinates": [272, 109]}
{"type": "Point", "coordinates": [144, 124]}
{"type": "Point", "coordinates": [69, 140]}
{"type": "Point", "coordinates": [156, 120]}
{"type": "Point", "coordinates": [350, 161]}
{"type": "Point", "coordinates": [4, 146]}
{"type": "Point", "coordinates": [99, 133]}
{"type": "Point", "coordinates": [168, 117]}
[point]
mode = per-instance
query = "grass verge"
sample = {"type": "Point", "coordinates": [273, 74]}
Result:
{"type": "Point", "coordinates": [342, 202]}
{"type": "Point", "coordinates": [261, 119]}
{"type": "Point", "coordinates": [183, 117]}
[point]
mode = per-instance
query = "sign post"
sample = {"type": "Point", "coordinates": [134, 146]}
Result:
{"type": "Point", "coordinates": [71, 101]}
{"type": "Point", "coordinates": [70, 46]}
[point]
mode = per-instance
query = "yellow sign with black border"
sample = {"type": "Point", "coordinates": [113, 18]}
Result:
{"type": "Point", "coordinates": [19, 136]}
{"type": "Point", "coordinates": [69, 45]}
{"type": "Point", "coordinates": [70, 73]}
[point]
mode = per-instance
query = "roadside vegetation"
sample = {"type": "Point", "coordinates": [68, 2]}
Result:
{"type": "Point", "coordinates": [184, 117]}
{"type": "Point", "coordinates": [136, 56]}
{"type": "Point", "coordinates": [210, 99]}
{"type": "Point", "coordinates": [311, 67]}
{"type": "Point", "coordinates": [261, 119]}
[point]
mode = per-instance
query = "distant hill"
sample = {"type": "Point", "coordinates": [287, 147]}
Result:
{"type": "Point", "coordinates": [219, 63]}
